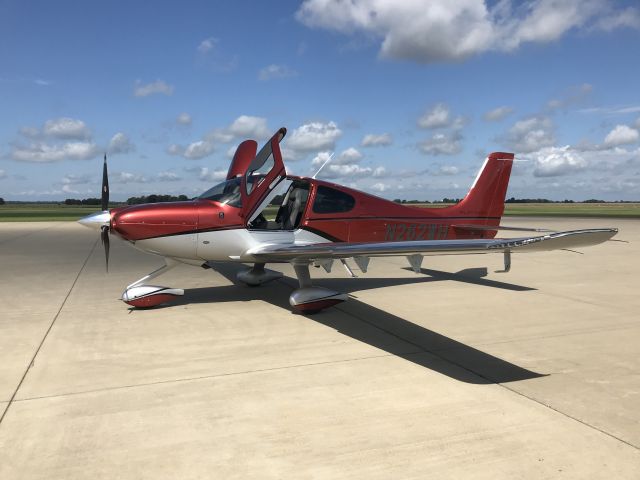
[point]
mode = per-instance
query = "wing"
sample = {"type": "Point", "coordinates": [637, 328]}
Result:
{"type": "Point", "coordinates": [308, 252]}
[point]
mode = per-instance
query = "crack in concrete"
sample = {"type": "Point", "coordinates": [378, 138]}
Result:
{"type": "Point", "coordinates": [46, 334]}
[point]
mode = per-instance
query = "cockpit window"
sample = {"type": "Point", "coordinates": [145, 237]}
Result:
{"type": "Point", "coordinates": [330, 200]}
{"type": "Point", "coordinates": [227, 193]}
{"type": "Point", "coordinates": [260, 166]}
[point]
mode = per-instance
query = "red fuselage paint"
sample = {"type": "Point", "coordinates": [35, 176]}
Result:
{"type": "Point", "coordinates": [372, 219]}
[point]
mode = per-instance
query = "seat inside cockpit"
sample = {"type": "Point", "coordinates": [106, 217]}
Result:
{"type": "Point", "coordinates": [289, 213]}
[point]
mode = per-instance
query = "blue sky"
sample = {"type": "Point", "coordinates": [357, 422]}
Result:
{"type": "Point", "coordinates": [409, 96]}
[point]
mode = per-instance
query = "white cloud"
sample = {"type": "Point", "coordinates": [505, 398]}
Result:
{"type": "Point", "coordinates": [530, 134]}
{"type": "Point", "coordinates": [314, 136]}
{"type": "Point", "coordinates": [3, 174]}
{"type": "Point", "coordinates": [379, 172]}
{"type": "Point", "coordinates": [612, 110]}
{"type": "Point", "coordinates": [128, 177]}
{"type": "Point", "coordinates": [183, 119]}
{"type": "Point", "coordinates": [437, 117]}
{"type": "Point", "coordinates": [381, 140]}
{"type": "Point", "coordinates": [444, 30]}
{"type": "Point", "coordinates": [353, 170]}
{"type": "Point", "coordinates": [379, 187]}
{"type": "Point", "coordinates": [207, 45]}
{"type": "Point", "coordinates": [346, 165]}
{"type": "Point", "coordinates": [629, 17]}
{"type": "Point", "coordinates": [193, 151]}
{"type": "Point", "coordinates": [273, 71]}
{"type": "Point", "coordinates": [69, 189]}
{"type": "Point", "coordinates": [246, 126]}
{"type": "Point", "coordinates": [320, 158]}
{"type": "Point", "coordinates": [207, 175]}
{"type": "Point", "coordinates": [175, 149]}
{"type": "Point", "coordinates": [442, 144]}
{"type": "Point", "coordinates": [197, 150]}
{"type": "Point", "coordinates": [498, 113]}
{"type": "Point", "coordinates": [120, 143]}
{"type": "Point", "coordinates": [73, 179]}
{"type": "Point", "coordinates": [64, 128]}
{"type": "Point", "coordinates": [157, 87]}
{"type": "Point", "coordinates": [168, 177]}
{"type": "Point", "coordinates": [557, 161]}
{"type": "Point", "coordinates": [348, 156]}
{"type": "Point", "coordinates": [448, 170]}
{"type": "Point", "coordinates": [44, 153]}
{"type": "Point", "coordinates": [622, 135]}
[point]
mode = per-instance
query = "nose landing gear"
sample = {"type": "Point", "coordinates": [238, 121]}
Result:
{"type": "Point", "coordinates": [146, 296]}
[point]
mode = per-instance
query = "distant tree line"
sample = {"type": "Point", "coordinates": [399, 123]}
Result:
{"type": "Point", "coordinates": [1, 201]}
{"type": "Point", "coordinates": [444, 200]}
{"type": "Point", "coordinates": [515, 200]}
{"type": "Point", "coordinates": [85, 201]}
{"type": "Point", "coordinates": [130, 201]}
{"type": "Point", "coordinates": [156, 199]}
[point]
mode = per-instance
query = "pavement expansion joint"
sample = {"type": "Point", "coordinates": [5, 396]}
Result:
{"type": "Point", "coordinates": [207, 377]}
{"type": "Point", "coordinates": [474, 372]}
{"type": "Point", "coordinates": [46, 333]}
{"type": "Point", "coordinates": [585, 331]}
{"type": "Point", "coordinates": [566, 415]}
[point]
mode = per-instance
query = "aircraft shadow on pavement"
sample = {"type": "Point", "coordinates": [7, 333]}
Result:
{"type": "Point", "coordinates": [378, 328]}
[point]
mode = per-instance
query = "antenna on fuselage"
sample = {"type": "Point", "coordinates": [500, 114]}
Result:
{"type": "Point", "coordinates": [322, 166]}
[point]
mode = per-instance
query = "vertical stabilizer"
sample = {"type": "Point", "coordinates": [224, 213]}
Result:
{"type": "Point", "coordinates": [487, 194]}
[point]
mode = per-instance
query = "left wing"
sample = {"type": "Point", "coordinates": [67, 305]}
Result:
{"type": "Point", "coordinates": [318, 251]}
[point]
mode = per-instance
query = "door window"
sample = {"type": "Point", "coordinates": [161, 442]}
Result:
{"type": "Point", "coordinates": [330, 200]}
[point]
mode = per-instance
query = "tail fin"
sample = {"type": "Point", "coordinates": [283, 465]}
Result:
{"type": "Point", "coordinates": [487, 194]}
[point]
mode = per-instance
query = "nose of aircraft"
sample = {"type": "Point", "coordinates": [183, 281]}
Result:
{"type": "Point", "coordinates": [96, 220]}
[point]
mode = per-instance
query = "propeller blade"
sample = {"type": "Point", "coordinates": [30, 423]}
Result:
{"type": "Point", "coordinates": [104, 236]}
{"type": "Point", "coordinates": [105, 185]}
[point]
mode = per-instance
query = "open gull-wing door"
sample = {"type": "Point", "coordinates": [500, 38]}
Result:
{"type": "Point", "coordinates": [263, 174]}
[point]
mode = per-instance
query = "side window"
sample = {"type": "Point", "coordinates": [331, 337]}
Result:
{"type": "Point", "coordinates": [330, 200]}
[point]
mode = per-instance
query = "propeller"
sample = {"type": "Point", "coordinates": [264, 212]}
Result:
{"type": "Point", "coordinates": [105, 185]}
{"type": "Point", "coordinates": [101, 220]}
{"type": "Point", "coordinates": [104, 229]}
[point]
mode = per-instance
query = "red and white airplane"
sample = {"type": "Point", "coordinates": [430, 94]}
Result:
{"type": "Point", "coordinates": [318, 222]}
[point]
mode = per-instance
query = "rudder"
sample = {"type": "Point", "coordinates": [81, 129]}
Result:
{"type": "Point", "coordinates": [487, 193]}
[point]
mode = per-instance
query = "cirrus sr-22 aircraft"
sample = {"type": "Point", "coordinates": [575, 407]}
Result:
{"type": "Point", "coordinates": [317, 223]}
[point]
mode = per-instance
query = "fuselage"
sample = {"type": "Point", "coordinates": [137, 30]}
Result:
{"type": "Point", "coordinates": [313, 211]}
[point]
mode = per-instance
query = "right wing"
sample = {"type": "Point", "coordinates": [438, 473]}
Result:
{"type": "Point", "coordinates": [320, 251]}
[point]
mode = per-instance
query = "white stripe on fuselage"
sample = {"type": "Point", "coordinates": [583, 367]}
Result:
{"type": "Point", "coordinates": [223, 245]}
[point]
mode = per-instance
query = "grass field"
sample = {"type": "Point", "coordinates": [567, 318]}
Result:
{"type": "Point", "coordinates": [50, 212]}
{"type": "Point", "coordinates": [44, 212]}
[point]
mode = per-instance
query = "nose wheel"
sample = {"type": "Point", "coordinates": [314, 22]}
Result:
{"type": "Point", "coordinates": [146, 296]}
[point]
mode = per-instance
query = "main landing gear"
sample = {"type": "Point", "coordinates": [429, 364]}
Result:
{"type": "Point", "coordinates": [145, 296]}
{"type": "Point", "coordinates": [307, 298]}
{"type": "Point", "coordinates": [310, 299]}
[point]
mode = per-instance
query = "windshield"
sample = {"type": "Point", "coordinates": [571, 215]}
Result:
{"type": "Point", "coordinates": [228, 192]}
